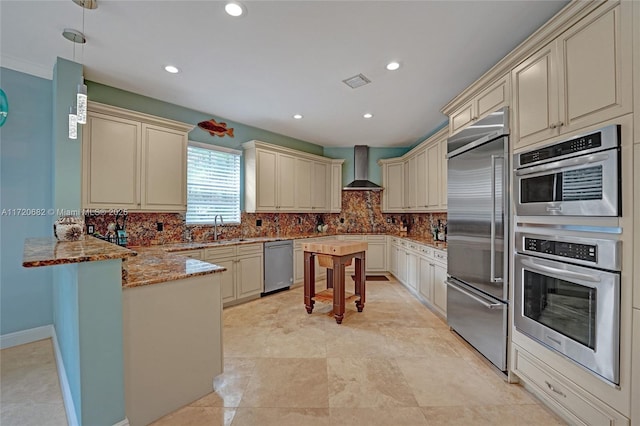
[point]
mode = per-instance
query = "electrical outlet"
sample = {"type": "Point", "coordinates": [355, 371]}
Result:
{"type": "Point", "coordinates": [258, 222]}
{"type": "Point", "coordinates": [342, 220]}
{"type": "Point", "coordinates": [388, 220]}
{"type": "Point", "coordinates": [91, 229]}
{"type": "Point", "coordinates": [160, 226]}
{"type": "Point", "coordinates": [299, 221]}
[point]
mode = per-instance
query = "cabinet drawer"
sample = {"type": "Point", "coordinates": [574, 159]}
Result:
{"type": "Point", "coordinates": [440, 256]}
{"type": "Point", "coordinates": [219, 252]}
{"type": "Point", "coordinates": [376, 238]}
{"type": "Point", "coordinates": [585, 411]}
{"type": "Point", "coordinates": [426, 251]}
{"type": "Point", "coordinates": [249, 249]}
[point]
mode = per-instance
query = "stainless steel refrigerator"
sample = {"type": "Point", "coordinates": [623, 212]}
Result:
{"type": "Point", "coordinates": [478, 216]}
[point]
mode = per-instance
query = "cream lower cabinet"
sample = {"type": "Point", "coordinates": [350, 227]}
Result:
{"type": "Point", "coordinates": [432, 278]}
{"type": "Point", "coordinates": [283, 180]}
{"type": "Point", "coordinates": [298, 260]}
{"type": "Point", "coordinates": [376, 253]}
{"type": "Point", "coordinates": [582, 77]}
{"type": "Point", "coordinates": [133, 161]}
{"type": "Point", "coordinates": [567, 399]}
{"type": "Point", "coordinates": [635, 367]}
{"type": "Point", "coordinates": [244, 278]}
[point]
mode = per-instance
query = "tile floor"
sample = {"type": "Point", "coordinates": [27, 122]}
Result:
{"type": "Point", "coordinates": [396, 363]}
{"type": "Point", "coordinates": [29, 388]}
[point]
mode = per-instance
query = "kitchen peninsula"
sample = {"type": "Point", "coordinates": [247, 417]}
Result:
{"type": "Point", "coordinates": [124, 308]}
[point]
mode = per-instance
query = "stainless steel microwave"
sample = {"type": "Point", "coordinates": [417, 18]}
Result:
{"type": "Point", "coordinates": [577, 177]}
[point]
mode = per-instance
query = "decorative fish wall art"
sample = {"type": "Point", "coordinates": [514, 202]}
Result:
{"type": "Point", "coordinates": [216, 129]}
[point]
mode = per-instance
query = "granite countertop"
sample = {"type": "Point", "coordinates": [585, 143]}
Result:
{"type": "Point", "coordinates": [155, 265]}
{"type": "Point", "coordinates": [49, 251]}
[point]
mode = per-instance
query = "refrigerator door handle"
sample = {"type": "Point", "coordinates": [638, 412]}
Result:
{"type": "Point", "coordinates": [493, 277]}
{"type": "Point", "coordinates": [474, 297]}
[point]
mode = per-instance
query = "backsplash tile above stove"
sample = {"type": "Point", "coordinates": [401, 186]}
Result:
{"type": "Point", "coordinates": [361, 213]}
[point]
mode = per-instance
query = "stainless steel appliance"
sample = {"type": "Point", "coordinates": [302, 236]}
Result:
{"type": "Point", "coordinates": [567, 295]}
{"type": "Point", "coordinates": [278, 266]}
{"type": "Point", "coordinates": [478, 213]}
{"type": "Point", "coordinates": [576, 177]}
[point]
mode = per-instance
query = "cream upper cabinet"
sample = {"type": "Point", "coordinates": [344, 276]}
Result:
{"type": "Point", "coordinates": [443, 173]}
{"type": "Point", "coordinates": [433, 180]}
{"type": "Point", "coordinates": [489, 100]}
{"type": "Point", "coordinates": [303, 183]}
{"type": "Point", "coordinates": [415, 182]}
{"type": "Point", "coordinates": [335, 192]}
{"type": "Point", "coordinates": [164, 169]}
{"type": "Point", "coordinates": [279, 179]}
{"type": "Point", "coordinates": [581, 78]}
{"type": "Point", "coordinates": [133, 161]}
{"type": "Point", "coordinates": [320, 186]}
{"type": "Point", "coordinates": [393, 184]}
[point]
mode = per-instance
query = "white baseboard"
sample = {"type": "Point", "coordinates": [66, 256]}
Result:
{"type": "Point", "coordinates": [69, 406]}
{"type": "Point", "coordinates": [26, 336]}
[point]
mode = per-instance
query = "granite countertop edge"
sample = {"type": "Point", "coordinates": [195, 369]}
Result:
{"type": "Point", "coordinates": [48, 251]}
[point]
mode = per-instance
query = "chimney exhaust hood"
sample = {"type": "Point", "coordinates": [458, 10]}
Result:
{"type": "Point", "coordinates": [361, 180]}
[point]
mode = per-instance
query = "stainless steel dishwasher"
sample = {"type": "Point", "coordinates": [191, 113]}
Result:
{"type": "Point", "coordinates": [278, 266]}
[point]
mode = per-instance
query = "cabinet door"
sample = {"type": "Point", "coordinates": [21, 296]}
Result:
{"type": "Point", "coordinates": [433, 158]}
{"type": "Point", "coordinates": [227, 282]}
{"type": "Point", "coordinates": [111, 162]}
{"type": "Point", "coordinates": [535, 87]}
{"type": "Point", "coordinates": [266, 180]}
{"type": "Point", "coordinates": [402, 264]}
{"type": "Point", "coordinates": [635, 364]}
{"type": "Point", "coordinates": [440, 287]}
{"type": "Point", "coordinates": [286, 172]}
{"type": "Point", "coordinates": [249, 275]}
{"type": "Point", "coordinates": [336, 188]}
{"type": "Point", "coordinates": [319, 186]}
{"type": "Point", "coordinates": [394, 192]}
{"type": "Point", "coordinates": [298, 265]}
{"type": "Point", "coordinates": [461, 118]}
{"type": "Point", "coordinates": [596, 84]}
{"type": "Point", "coordinates": [412, 270]}
{"type": "Point", "coordinates": [303, 184]}
{"type": "Point", "coordinates": [492, 98]}
{"type": "Point", "coordinates": [425, 278]}
{"type": "Point", "coordinates": [393, 260]}
{"type": "Point", "coordinates": [164, 169]}
{"type": "Point", "coordinates": [376, 257]}
{"type": "Point", "coordinates": [443, 173]}
{"type": "Point", "coordinates": [422, 180]}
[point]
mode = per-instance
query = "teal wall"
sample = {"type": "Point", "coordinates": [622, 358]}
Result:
{"type": "Point", "coordinates": [25, 176]}
{"type": "Point", "coordinates": [375, 173]}
{"type": "Point", "coordinates": [87, 297]}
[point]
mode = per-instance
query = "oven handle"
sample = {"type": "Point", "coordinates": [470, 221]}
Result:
{"type": "Point", "coordinates": [569, 274]}
{"type": "Point", "coordinates": [474, 297]}
{"type": "Point", "coordinates": [578, 161]}
{"type": "Point", "coordinates": [492, 276]}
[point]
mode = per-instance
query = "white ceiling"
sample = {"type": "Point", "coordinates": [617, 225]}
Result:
{"type": "Point", "coordinates": [283, 57]}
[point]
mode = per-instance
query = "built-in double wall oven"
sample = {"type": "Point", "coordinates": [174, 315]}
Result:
{"type": "Point", "coordinates": [567, 275]}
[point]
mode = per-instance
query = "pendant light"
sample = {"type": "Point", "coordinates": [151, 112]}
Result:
{"type": "Point", "coordinates": [73, 123]}
{"type": "Point", "coordinates": [81, 102]}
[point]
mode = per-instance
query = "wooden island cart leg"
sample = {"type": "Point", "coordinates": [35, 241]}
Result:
{"type": "Point", "coordinates": [338, 289]}
{"type": "Point", "coordinates": [360, 284]}
{"type": "Point", "coordinates": [309, 281]}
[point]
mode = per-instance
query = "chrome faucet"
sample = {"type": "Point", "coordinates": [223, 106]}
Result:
{"type": "Point", "coordinates": [215, 226]}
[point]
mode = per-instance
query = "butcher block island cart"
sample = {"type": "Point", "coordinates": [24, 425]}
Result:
{"type": "Point", "coordinates": [334, 255]}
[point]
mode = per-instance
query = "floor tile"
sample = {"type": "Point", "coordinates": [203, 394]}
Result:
{"type": "Point", "coordinates": [367, 382]}
{"type": "Point", "coordinates": [230, 385]}
{"type": "Point", "coordinates": [244, 342]}
{"type": "Point", "coordinates": [281, 417]}
{"type": "Point", "coordinates": [198, 416]}
{"type": "Point", "coordinates": [405, 416]}
{"type": "Point", "coordinates": [292, 383]}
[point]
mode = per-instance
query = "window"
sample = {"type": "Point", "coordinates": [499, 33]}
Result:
{"type": "Point", "coordinates": [213, 183]}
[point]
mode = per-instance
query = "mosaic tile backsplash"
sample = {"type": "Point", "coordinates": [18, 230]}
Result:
{"type": "Point", "coordinates": [361, 213]}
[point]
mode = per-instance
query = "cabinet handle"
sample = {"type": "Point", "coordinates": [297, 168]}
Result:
{"type": "Point", "coordinates": [559, 124]}
{"type": "Point", "coordinates": [474, 118]}
{"type": "Point", "coordinates": [553, 389]}
{"type": "Point", "coordinates": [552, 126]}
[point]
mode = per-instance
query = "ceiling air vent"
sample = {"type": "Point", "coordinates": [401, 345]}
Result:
{"type": "Point", "coordinates": [356, 81]}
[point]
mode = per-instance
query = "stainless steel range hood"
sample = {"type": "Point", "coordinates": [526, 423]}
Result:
{"type": "Point", "coordinates": [361, 180]}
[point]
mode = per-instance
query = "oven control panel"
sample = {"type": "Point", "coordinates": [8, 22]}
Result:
{"type": "Point", "coordinates": [585, 252]}
{"type": "Point", "coordinates": [568, 147]}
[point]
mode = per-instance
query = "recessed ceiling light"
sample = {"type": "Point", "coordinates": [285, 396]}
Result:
{"type": "Point", "coordinates": [392, 66]}
{"type": "Point", "coordinates": [171, 69]}
{"type": "Point", "coordinates": [234, 8]}
{"type": "Point", "coordinates": [297, 116]}
{"type": "Point", "coordinates": [368, 115]}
